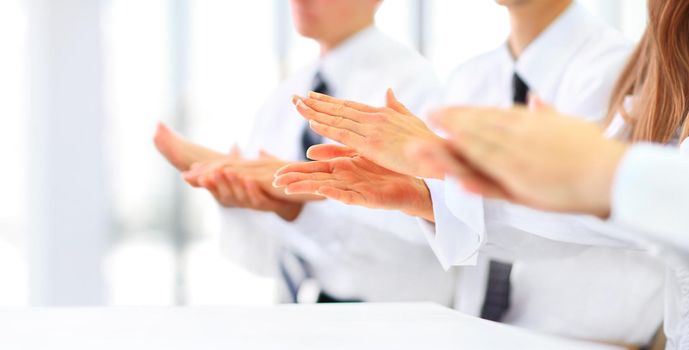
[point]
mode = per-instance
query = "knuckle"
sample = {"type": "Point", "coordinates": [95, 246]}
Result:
{"type": "Point", "coordinates": [338, 121]}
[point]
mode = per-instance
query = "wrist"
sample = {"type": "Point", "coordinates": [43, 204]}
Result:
{"type": "Point", "coordinates": [435, 172]}
{"type": "Point", "coordinates": [595, 194]}
{"type": "Point", "coordinates": [422, 205]}
{"type": "Point", "coordinates": [289, 211]}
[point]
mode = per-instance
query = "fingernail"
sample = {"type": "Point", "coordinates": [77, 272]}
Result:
{"type": "Point", "coordinates": [314, 94]}
{"type": "Point", "coordinates": [279, 172]}
{"type": "Point", "coordinates": [301, 104]}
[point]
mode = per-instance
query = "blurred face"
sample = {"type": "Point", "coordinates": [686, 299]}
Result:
{"type": "Point", "coordinates": [325, 19]}
{"type": "Point", "coordinates": [512, 2]}
{"type": "Point", "coordinates": [540, 3]}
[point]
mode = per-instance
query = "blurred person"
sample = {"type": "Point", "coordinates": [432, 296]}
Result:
{"type": "Point", "coordinates": [525, 276]}
{"type": "Point", "coordinates": [547, 161]}
{"type": "Point", "coordinates": [543, 159]}
{"type": "Point", "coordinates": [321, 250]}
{"type": "Point", "coordinates": [537, 159]}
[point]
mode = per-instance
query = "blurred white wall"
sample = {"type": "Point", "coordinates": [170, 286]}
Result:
{"type": "Point", "coordinates": [629, 16]}
{"type": "Point", "coordinates": [68, 201]}
{"type": "Point", "coordinates": [12, 153]}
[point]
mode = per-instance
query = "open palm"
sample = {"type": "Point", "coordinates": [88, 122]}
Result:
{"type": "Point", "coordinates": [355, 180]}
{"type": "Point", "coordinates": [379, 134]}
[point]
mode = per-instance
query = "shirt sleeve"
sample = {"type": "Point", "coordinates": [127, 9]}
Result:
{"type": "Point", "coordinates": [383, 233]}
{"type": "Point", "coordinates": [460, 230]}
{"type": "Point", "coordinates": [560, 227]}
{"type": "Point", "coordinates": [457, 235]}
{"type": "Point", "coordinates": [250, 239]}
{"type": "Point", "coordinates": [651, 194]}
{"type": "Point", "coordinates": [326, 233]}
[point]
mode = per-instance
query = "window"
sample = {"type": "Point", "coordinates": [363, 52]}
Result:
{"type": "Point", "coordinates": [141, 265]}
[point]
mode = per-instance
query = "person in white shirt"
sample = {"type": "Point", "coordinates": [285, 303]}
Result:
{"type": "Point", "coordinates": [572, 62]}
{"type": "Point", "coordinates": [569, 166]}
{"type": "Point", "coordinates": [547, 161]}
{"type": "Point", "coordinates": [539, 161]}
{"type": "Point", "coordinates": [335, 245]}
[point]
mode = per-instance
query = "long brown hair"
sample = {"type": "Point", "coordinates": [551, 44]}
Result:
{"type": "Point", "coordinates": [657, 75]}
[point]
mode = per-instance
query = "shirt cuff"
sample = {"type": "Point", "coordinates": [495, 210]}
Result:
{"type": "Point", "coordinates": [649, 193]}
{"type": "Point", "coordinates": [453, 241]}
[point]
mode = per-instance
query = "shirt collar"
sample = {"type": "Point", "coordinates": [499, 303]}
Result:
{"type": "Point", "coordinates": [337, 65]}
{"type": "Point", "coordinates": [552, 50]}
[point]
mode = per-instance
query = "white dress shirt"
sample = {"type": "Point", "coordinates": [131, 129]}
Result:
{"type": "Point", "coordinates": [648, 198]}
{"type": "Point", "coordinates": [353, 252]}
{"type": "Point", "coordinates": [561, 284]}
{"type": "Point", "coordinates": [650, 203]}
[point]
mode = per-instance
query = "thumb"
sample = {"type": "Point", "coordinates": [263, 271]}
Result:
{"type": "Point", "coordinates": [392, 102]}
{"type": "Point", "coordinates": [163, 136]}
{"type": "Point", "coordinates": [264, 154]}
{"type": "Point", "coordinates": [537, 104]}
{"type": "Point", "coordinates": [235, 152]}
{"type": "Point", "coordinates": [325, 152]}
{"type": "Point", "coordinates": [162, 127]}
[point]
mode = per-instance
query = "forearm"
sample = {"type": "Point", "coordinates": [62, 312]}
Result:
{"type": "Point", "coordinates": [289, 211]}
{"type": "Point", "coordinates": [594, 193]}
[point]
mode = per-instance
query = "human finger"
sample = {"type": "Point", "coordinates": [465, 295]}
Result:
{"type": "Point", "coordinates": [305, 167]}
{"type": "Point", "coordinates": [329, 151]}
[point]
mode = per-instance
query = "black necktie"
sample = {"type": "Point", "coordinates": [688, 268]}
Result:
{"type": "Point", "coordinates": [497, 300]}
{"type": "Point", "coordinates": [294, 269]}
{"type": "Point", "coordinates": [308, 137]}
{"type": "Point", "coordinates": [520, 91]}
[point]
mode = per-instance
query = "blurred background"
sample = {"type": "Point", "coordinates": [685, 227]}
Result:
{"type": "Point", "coordinates": [90, 214]}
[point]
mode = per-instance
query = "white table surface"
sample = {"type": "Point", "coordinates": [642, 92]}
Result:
{"type": "Point", "coordinates": [303, 327]}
